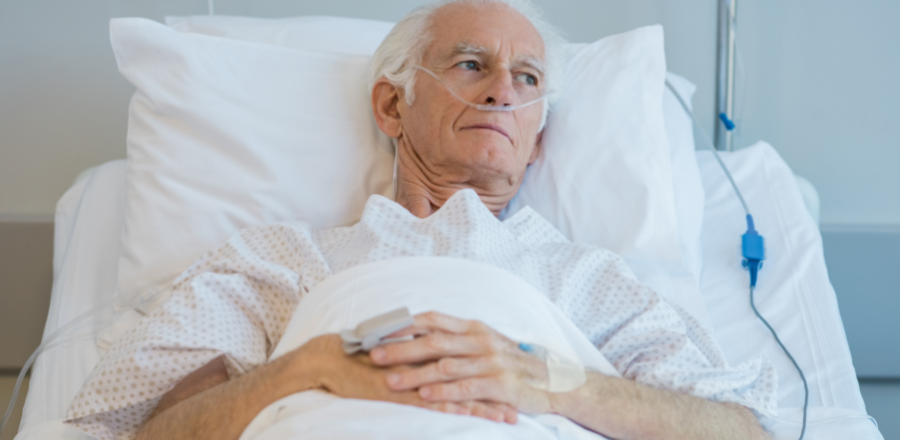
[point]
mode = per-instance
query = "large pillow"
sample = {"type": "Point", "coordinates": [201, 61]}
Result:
{"type": "Point", "coordinates": [602, 221]}
{"type": "Point", "coordinates": [225, 134]}
{"type": "Point", "coordinates": [686, 181]}
{"type": "Point", "coordinates": [604, 175]}
{"type": "Point", "coordinates": [349, 36]}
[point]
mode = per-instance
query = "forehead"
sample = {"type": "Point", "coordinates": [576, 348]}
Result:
{"type": "Point", "coordinates": [503, 31]}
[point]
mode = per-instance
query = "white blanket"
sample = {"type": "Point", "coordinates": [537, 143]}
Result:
{"type": "Point", "coordinates": [486, 293]}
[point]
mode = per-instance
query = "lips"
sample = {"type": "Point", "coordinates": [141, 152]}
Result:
{"type": "Point", "coordinates": [496, 128]}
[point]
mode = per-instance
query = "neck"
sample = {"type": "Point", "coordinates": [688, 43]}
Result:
{"type": "Point", "coordinates": [423, 189]}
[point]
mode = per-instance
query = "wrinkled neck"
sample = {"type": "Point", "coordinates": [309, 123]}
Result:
{"type": "Point", "coordinates": [422, 189]}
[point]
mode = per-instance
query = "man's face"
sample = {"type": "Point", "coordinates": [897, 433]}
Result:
{"type": "Point", "coordinates": [489, 55]}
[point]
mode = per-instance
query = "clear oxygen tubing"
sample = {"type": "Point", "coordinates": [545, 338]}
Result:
{"type": "Point", "coordinates": [753, 264]}
{"type": "Point", "coordinates": [483, 107]}
{"type": "Point", "coordinates": [139, 295]}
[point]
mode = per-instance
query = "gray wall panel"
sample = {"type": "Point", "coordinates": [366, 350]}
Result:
{"type": "Point", "coordinates": [26, 277]}
{"type": "Point", "coordinates": [863, 266]}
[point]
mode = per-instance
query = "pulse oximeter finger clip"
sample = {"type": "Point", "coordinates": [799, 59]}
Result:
{"type": "Point", "coordinates": [374, 331]}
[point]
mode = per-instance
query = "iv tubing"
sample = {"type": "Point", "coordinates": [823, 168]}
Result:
{"type": "Point", "coordinates": [710, 142]}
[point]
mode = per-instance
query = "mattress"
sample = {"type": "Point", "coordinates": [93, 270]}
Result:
{"type": "Point", "coordinates": [86, 246]}
{"type": "Point", "coordinates": [793, 293]}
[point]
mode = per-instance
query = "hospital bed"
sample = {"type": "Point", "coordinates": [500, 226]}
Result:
{"type": "Point", "coordinates": [794, 294]}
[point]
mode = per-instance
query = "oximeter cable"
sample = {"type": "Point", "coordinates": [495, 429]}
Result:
{"type": "Point", "coordinates": [752, 246]}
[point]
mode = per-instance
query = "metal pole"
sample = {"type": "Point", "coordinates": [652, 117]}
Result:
{"type": "Point", "coordinates": [725, 80]}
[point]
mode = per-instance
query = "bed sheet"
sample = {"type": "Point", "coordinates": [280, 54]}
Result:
{"type": "Point", "coordinates": [86, 251]}
{"type": "Point", "coordinates": [794, 292]}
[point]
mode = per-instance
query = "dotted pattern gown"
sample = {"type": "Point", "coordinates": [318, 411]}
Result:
{"type": "Point", "coordinates": [236, 301]}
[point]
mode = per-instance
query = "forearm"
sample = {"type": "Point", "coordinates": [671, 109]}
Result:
{"type": "Point", "coordinates": [225, 410]}
{"type": "Point", "coordinates": [624, 409]}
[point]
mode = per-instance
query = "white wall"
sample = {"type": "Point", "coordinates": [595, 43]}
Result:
{"type": "Point", "coordinates": [819, 84]}
{"type": "Point", "coordinates": [823, 87]}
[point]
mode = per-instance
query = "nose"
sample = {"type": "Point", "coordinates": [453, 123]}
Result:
{"type": "Point", "coordinates": [500, 90]}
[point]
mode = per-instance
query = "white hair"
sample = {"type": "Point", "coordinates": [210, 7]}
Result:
{"type": "Point", "coordinates": [405, 45]}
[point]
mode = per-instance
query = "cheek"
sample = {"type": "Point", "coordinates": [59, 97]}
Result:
{"type": "Point", "coordinates": [430, 128]}
{"type": "Point", "coordinates": [529, 127]}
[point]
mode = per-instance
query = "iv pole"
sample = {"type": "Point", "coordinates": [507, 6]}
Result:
{"type": "Point", "coordinates": [725, 77]}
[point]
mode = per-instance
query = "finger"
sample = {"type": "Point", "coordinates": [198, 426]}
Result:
{"type": "Point", "coordinates": [510, 414]}
{"type": "Point", "coordinates": [447, 323]}
{"type": "Point", "coordinates": [448, 407]}
{"type": "Point", "coordinates": [495, 412]}
{"type": "Point", "coordinates": [444, 370]}
{"type": "Point", "coordinates": [412, 330]}
{"type": "Point", "coordinates": [432, 347]}
{"type": "Point", "coordinates": [485, 411]}
{"type": "Point", "coordinates": [428, 322]}
{"type": "Point", "coordinates": [475, 388]}
{"type": "Point", "coordinates": [507, 413]}
{"type": "Point", "coordinates": [498, 412]}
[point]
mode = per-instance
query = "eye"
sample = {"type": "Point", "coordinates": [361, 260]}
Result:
{"type": "Point", "coordinates": [468, 65]}
{"type": "Point", "coordinates": [527, 78]}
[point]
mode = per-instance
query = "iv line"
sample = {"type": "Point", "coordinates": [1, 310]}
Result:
{"type": "Point", "coordinates": [752, 263]}
{"type": "Point", "coordinates": [713, 149]}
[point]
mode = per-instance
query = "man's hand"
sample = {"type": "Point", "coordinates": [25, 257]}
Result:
{"type": "Point", "coordinates": [468, 360]}
{"type": "Point", "coordinates": [206, 404]}
{"type": "Point", "coordinates": [464, 361]}
{"type": "Point", "coordinates": [356, 376]}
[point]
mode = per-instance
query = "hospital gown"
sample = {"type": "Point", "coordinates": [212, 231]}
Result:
{"type": "Point", "coordinates": [237, 300]}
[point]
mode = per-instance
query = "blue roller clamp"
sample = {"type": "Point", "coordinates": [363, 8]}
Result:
{"type": "Point", "coordinates": [729, 124]}
{"type": "Point", "coordinates": [753, 248]}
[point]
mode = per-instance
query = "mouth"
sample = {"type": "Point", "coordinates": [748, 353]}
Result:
{"type": "Point", "coordinates": [496, 128]}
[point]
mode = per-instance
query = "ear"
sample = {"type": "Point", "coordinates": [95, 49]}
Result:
{"type": "Point", "coordinates": [385, 105]}
{"type": "Point", "coordinates": [537, 148]}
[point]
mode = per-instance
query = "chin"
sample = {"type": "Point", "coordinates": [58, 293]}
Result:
{"type": "Point", "coordinates": [489, 154]}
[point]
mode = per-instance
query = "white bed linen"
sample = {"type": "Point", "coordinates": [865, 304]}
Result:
{"type": "Point", "coordinates": [793, 293]}
{"type": "Point", "coordinates": [86, 252]}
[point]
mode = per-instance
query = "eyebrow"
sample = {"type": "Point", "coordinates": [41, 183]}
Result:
{"type": "Point", "coordinates": [473, 49]}
{"type": "Point", "coordinates": [467, 48]}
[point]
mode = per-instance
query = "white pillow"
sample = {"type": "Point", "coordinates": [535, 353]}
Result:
{"type": "Point", "coordinates": [224, 134]}
{"type": "Point", "coordinates": [333, 34]}
{"type": "Point", "coordinates": [349, 36]}
{"type": "Point", "coordinates": [604, 175]}
{"type": "Point", "coordinates": [689, 195]}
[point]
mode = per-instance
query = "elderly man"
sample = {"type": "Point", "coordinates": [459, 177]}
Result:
{"type": "Point", "coordinates": [453, 160]}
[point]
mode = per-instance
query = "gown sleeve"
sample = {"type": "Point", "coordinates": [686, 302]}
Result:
{"type": "Point", "coordinates": [235, 302]}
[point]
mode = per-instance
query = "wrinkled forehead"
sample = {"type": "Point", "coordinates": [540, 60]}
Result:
{"type": "Point", "coordinates": [492, 30]}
